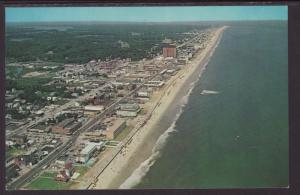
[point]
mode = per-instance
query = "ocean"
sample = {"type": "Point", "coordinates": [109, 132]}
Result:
{"type": "Point", "coordinates": [237, 137]}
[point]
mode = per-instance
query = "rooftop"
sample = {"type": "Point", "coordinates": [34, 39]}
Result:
{"type": "Point", "coordinates": [88, 148]}
{"type": "Point", "coordinates": [93, 108]}
{"type": "Point", "coordinates": [65, 122]}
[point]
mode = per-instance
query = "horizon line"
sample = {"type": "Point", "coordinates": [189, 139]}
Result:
{"type": "Point", "coordinates": [53, 21]}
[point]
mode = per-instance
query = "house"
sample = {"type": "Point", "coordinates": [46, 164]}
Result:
{"type": "Point", "coordinates": [62, 176]}
{"type": "Point", "coordinates": [69, 169]}
{"type": "Point", "coordinates": [29, 158]}
{"type": "Point", "coordinates": [62, 160]}
{"type": "Point", "coordinates": [66, 174]}
{"type": "Point", "coordinates": [20, 139]}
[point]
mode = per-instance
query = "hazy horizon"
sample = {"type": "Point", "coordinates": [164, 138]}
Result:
{"type": "Point", "coordinates": [91, 21]}
{"type": "Point", "coordinates": [146, 14]}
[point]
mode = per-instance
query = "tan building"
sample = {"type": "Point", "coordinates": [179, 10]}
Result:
{"type": "Point", "coordinates": [169, 51]}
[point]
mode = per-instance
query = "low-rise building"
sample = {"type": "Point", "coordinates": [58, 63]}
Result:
{"type": "Point", "coordinates": [92, 110]}
{"type": "Point", "coordinates": [20, 139]}
{"type": "Point", "coordinates": [62, 160]}
{"type": "Point", "coordinates": [62, 176]}
{"type": "Point", "coordinates": [39, 128]}
{"type": "Point", "coordinates": [31, 157]}
{"type": "Point", "coordinates": [67, 126]}
{"type": "Point", "coordinates": [69, 169]}
{"type": "Point", "coordinates": [128, 109]}
{"type": "Point", "coordinates": [88, 152]}
{"type": "Point", "coordinates": [155, 84]}
{"type": "Point", "coordinates": [143, 94]}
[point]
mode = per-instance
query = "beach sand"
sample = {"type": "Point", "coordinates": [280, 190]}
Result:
{"type": "Point", "coordinates": [142, 143]}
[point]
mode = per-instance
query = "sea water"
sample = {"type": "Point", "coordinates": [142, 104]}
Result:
{"type": "Point", "coordinates": [238, 137]}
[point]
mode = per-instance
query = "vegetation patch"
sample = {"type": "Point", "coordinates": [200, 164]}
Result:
{"type": "Point", "coordinates": [124, 133]}
{"type": "Point", "coordinates": [46, 182]}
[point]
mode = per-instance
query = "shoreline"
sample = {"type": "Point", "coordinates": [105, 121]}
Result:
{"type": "Point", "coordinates": [140, 150]}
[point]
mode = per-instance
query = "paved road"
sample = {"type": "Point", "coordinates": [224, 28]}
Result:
{"type": "Point", "coordinates": [27, 177]}
{"type": "Point", "coordinates": [19, 182]}
{"type": "Point", "coordinates": [48, 114]}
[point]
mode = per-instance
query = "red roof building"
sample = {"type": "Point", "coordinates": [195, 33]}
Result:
{"type": "Point", "coordinates": [66, 174]}
{"type": "Point", "coordinates": [62, 176]}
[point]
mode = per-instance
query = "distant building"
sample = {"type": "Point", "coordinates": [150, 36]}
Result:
{"type": "Point", "coordinates": [66, 174]}
{"type": "Point", "coordinates": [155, 84]}
{"type": "Point", "coordinates": [31, 157]}
{"type": "Point", "coordinates": [115, 127]}
{"type": "Point", "coordinates": [171, 72]}
{"type": "Point", "coordinates": [47, 149]}
{"type": "Point", "coordinates": [88, 151]}
{"type": "Point", "coordinates": [108, 65]}
{"type": "Point", "coordinates": [143, 94]}
{"type": "Point", "coordinates": [69, 66]}
{"type": "Point", "coordinates": [62, 160]}
{"type": "Point", "coordinates": [20, 139]}
{"type": "Point", "coordinates": [39, 128]}
{"type": "Point", "coordinates": [69, 169]}
{"type": "Point", "coordinates": [128, 109]}
{"type": "Point", "coordinates": [62, 176]}
{"type": "Point", "coordinates": [169, 51]}
{"type": "Point", "coordinates": [67, 126]}
{"type": "Point", "coordinates": [39, 113]}
{"type": "Point", "coordinates": [92, 110]}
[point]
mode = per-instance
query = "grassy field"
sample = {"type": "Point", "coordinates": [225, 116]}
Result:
{"type": "Point", "coordinates": [48, 174]}
{"type": "Point", "coordinates": [81, 169]}
{"type": "Point", "coordinates": [13, 151]}
{"type": "Point", "coordinates": [46, 182]}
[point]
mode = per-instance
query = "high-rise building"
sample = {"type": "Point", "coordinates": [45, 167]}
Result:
{"type": "Point", "coordinates": [169, 51]}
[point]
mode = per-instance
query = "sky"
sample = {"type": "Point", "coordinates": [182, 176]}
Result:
{"type": "Point", "coordinates": [145, 14]}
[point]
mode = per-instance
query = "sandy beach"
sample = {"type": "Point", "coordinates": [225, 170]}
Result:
{"type": "Point", "coordinates": [140, 146]}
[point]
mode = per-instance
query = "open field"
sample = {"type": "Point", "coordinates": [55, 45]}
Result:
{"type": "Point", "coordinates": [46, 182]}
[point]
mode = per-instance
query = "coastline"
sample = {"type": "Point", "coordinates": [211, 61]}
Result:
{"type": "Point", "coordinates": [143, 145]}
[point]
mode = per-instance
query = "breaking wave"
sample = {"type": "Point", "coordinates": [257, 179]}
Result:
{"type": "Point", "coordinates": [145, 166]}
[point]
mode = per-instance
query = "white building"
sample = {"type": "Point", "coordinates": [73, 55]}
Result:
{"type": "Point", "coordinates": [92, 110]}
{"type": "Point", "coordinates": [157, 84]}
{"type": "Point", "coordinates": [88, 151]}
{"type": "Point", "coordinates": [142, 94]}
{"type": "Point", "coordinates": [128, 110]}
